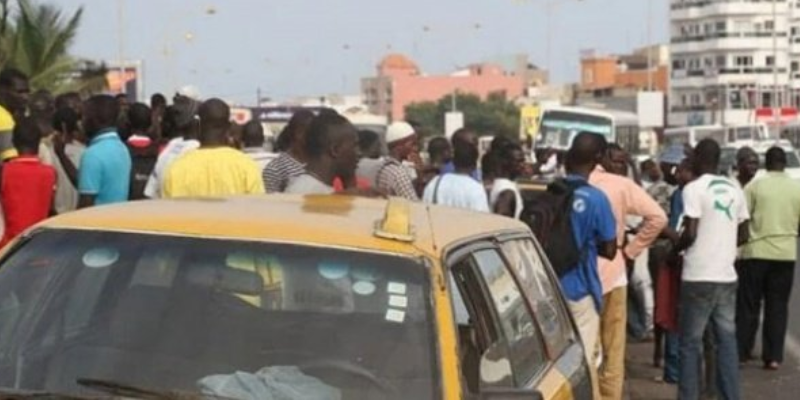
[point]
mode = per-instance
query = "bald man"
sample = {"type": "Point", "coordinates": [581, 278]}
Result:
{"type": "Point", "coordinates": [215, 169]}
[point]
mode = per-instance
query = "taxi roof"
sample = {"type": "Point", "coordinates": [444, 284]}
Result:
{"type": "Point", "coordinates": [340, 221]}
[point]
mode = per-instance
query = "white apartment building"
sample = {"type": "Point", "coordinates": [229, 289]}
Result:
{"type": "Point", "coordinates": [734, 61]}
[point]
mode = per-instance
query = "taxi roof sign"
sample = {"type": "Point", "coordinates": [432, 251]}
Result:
{"type": "Point", "coordinates": [396, 222]}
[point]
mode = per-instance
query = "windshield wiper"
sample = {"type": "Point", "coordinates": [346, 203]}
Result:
{"type": "Point", "coordinates": [127, 390]}
{"type": "Point", "coordinates": [22, 394]}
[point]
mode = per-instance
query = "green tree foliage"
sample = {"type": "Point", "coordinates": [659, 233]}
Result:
{"type": "Point", "coordinates": [36, 38]}
{"type": "Point", "coordinates": [494, 116]}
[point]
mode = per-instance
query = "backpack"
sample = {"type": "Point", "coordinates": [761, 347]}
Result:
{"type": "Point", "coordinates": [549, 217]}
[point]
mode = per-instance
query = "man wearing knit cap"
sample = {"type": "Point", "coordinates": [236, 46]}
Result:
{"type": "Point", "coordinates": [393, 178]}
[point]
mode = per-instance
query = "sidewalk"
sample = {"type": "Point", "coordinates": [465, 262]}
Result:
{"type": "Point", "coordinates": [756, 382]}
{"type": "Point", "coordinates": [641, 374]}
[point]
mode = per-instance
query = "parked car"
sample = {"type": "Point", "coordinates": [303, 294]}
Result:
{"type": "Point", "coordinates": [320, 296]}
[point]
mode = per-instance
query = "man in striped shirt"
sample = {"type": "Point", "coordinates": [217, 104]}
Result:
{"type": "Point", "coordinates": [290, 163]}
{"type": "Point", "coordinates": [394, 178]}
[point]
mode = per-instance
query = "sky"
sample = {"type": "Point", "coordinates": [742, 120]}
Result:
{"type": "Point", "coordinates": [290, 48]}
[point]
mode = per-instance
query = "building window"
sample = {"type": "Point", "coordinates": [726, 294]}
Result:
{"type": "Point", "coordinates": [721, 61]}
{"type": "Point", "coordinates": [770, 61]}
{"type": "Point", "coordinates": [795, 66]}
{"type": "Point", "coordinates": [769, 25]}
{"type": "Point", "coordinates": [678, 65]}
{"type": "Point", "coordinates": [743, 61]}
{"type": "Point", "coordinates": [721, 26]}
{"type": "Point", "coordinates": [794, 31]}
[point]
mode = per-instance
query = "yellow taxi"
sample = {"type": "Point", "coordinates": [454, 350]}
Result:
{"type": "Point", "coordinates": [318, 297]}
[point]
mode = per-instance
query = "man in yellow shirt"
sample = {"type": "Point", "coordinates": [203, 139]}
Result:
{"type": "Point", "coordinates": [767, 270]}
{"type": "Point", "coordinates": [215, 169]}
{"type": "Point", "coordinates": [14, 91]}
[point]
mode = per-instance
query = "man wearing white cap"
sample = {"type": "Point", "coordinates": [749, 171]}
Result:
{"type": "Point", "coordinates": [393, 178]}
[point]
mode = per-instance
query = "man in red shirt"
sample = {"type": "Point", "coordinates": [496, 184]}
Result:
{"type": "Point", "coordinates": [27, 186]}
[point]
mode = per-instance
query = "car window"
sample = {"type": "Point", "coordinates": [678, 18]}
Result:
{"type": "Point", "coordinates": [195, 314]}
{"type": "Point", "coordinates": [543, 293]}
{"type": "Point", "coordinates": [526, 351]}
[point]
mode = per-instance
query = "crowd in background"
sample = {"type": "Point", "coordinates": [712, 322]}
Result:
{"type": "Point", "coordinates": [661, 255]}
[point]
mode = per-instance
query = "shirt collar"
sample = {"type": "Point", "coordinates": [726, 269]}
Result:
{"type": "Point", "coordinates": [107, 133]}
{"type": "Point", "coordinates": [25, 158]}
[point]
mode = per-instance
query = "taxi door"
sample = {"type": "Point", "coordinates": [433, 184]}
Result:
{"type": "Point", "coordinates": [516, 338]}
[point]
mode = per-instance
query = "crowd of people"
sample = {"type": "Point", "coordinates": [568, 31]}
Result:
{"type": "Point", "coordinates": [683, 256]}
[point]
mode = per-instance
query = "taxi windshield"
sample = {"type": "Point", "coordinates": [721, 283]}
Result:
{"type": "Point", "coordinates": [222, 317]}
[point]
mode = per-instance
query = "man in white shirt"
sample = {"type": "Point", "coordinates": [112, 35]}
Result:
{"type": "Point", "coordinates": [459, 189]}
{"type": "Point", "coordinates": [184, 114]}
{"type": "Point", "coordinates": [716, 217]}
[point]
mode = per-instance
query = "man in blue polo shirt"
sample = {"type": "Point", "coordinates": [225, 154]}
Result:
{"type": "Point", "coordinates": [595, 231]}
{"type": "Point", "coordinates": [104, 176]}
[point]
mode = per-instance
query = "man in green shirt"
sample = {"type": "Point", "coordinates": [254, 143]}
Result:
{"type": "Point", "coordinates": [767, 270]}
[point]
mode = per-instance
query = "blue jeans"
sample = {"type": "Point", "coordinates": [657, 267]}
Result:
{"type": "Point", "coordinates": [671, 357]}
{"type": "Point", "coordinates": [701, 304]}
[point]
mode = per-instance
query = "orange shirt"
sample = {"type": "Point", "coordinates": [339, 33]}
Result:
{"type": "Point", "coordinates": [627, 199]}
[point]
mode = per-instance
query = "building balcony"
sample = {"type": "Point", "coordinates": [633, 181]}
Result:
{"type": "Point", "coordinates": [707, 8]}
{"type": "Point", "coordinates": [727, 41]}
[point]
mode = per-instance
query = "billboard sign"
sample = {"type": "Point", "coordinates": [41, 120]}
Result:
{"type": "Point", "coordinates": [126, 78]}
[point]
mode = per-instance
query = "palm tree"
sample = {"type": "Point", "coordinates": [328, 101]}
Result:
{"type": "Point", "coordinates": [36, 40]}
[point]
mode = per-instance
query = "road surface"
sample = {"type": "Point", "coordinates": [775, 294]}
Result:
{"type": "Point", "coordinates": [756, 382]}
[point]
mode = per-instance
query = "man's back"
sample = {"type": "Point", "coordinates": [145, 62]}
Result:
{"type": "Point", "coordinates": [456, 190]}
{"type": "Point", "coordinates": [592, 222]}
{"type": "Point", "coordinates": [220, 171]}
{"type": "Point", "coordinates": [719, 206]}
{"type": "Point", "coordinates": [27, 193]}
{"type": "Point", "coordinates": [774, 205]}
{"type": "Point", "coordinates": [105, 170]}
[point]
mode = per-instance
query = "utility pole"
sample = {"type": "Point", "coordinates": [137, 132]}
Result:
{"type": "Point", "coordinates": [121, 38]}
{"type": "Point", "coordinates": [776, 113]}
{"type": "Point", "coordinates": [649, 43]}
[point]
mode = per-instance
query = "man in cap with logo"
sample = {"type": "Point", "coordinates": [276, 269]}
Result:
{"type": "Point", "coordinates": [394, 178]}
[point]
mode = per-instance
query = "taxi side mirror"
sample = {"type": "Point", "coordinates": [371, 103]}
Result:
{"type": "Point", "coordinates": [510, 394]}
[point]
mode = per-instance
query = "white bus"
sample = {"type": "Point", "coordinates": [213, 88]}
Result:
{"type": "Point", "coordinates": [690, 135]}
{"type": "Point", "coordinates": [558, 127]}
{"type": "Point", "coordinates": [731, 135]}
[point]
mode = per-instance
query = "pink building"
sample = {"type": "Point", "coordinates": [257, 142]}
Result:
{"type": "Point", "coordinates": [399, 83]}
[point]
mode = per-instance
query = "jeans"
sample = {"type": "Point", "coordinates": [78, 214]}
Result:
{"type": "Point", "coordinates": [671, 357]}
{"type": "Point", "coordinates": [769, 282]}
{"type": "Point", "coordinates": [711, 304]}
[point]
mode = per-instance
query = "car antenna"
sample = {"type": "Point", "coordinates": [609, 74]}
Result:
{"type": "Point", "coordinates": [430, 226]}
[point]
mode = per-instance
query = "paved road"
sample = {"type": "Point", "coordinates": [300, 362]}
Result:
{"type": "Point", "coordinates": [756, 383]}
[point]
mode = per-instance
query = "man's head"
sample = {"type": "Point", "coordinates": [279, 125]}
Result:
{"type": "Point", "coordinates": [158, 102]}
{"type": "Point", "coordinates": [684, 172]}
{"type": "Point", "coordinates": [746, 162]}
{"type": "Point", "coordinates": [465, 156]}
{"type": "Point", "coordinates": [215, 122]}
{"type": "Point", "coordinates": [369, 143]}
{"type": "Point", "coordinates": [14, 91]}
{"type": "Point", "coordinates": [586, 152]}
{"type": "Point", "coordinates": [140, 118]}
{"type": "Point", "coordinates": [99, 112]}
{"type": "Point", "coordinates": [512, 160]}
{"type": "Point", "coordinates": [70, 100]}
{"type": "Point", "coordinates": [616, 160]}
{"type": "Point", "coordinates": [440, 151]}
{"type": "Point", "coordinates": [67, 121]}
{"type": "Point", "coordinates": [293, 135]}
{"type": "Point", "coordinates": [27, 135]}
{"type": "Point", "coordinates": [465, 135]}
{"type": "Point", "coordinates": [706, 157]}
{"type": "Point", "coordinates": [42, 105]}
{"type": "Point", "coordinates": [253, 134]}
{"type": "Point", "coordinates": [402, 140]}
{"type": "Point", "coordinates": [122, 100]}
{"type": "Point", "coordinates": [776, 159]}
{"type": "Point", "coordinates": [332, 143]}
{"type": "Point", "coordinates": [651, 170]}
